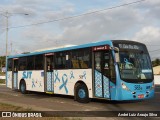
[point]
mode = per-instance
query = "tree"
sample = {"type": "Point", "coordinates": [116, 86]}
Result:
{"type": "Point", "coordinates": [156, 62]}
{"type": "Point", "coordinates": [2, 61]}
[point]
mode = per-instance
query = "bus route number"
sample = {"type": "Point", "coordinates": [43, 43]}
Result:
{"type": "Point", "coordinates": [137, 87]}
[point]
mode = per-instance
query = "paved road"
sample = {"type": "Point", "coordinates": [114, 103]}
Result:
{"type": "Point", "coordinates": [45, 102]}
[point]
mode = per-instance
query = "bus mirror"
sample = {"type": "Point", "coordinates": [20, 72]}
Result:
{"type": "Point", "coordinates": [117, 58]}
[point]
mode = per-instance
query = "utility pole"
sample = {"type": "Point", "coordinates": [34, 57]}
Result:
{"type": "Point", "coordinates": [6, 15]}
{"type": "Point", "coordinates": [11, 47]}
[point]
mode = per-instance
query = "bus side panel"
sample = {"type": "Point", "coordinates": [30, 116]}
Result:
{"type": "Point", "coordinates": [34, 80]}
{"type": "Point", "coordinates": [64, 80]}
{"type": "Point", "coordinates": [9, 79]}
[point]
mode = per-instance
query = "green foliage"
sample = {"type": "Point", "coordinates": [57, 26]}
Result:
{"type": "Point", "coordinates": [25, 52]}
{"type": "Point", "coordinates": [156, 62]}
{"type": "Point", "coordinates": [2, 61]}
{"type": "Point", "coordinates": [2, 81]}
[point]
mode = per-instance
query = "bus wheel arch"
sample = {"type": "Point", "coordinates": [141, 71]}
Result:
{"type": "Point", "coordinates": [81, 93]}
{"type": "Point", "coordinates": [22, 86]}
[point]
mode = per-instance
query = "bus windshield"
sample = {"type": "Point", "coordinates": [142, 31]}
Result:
{"type": "Point", "coordinates": [135, 66]}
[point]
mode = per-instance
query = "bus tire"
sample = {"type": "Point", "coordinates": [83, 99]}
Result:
{"type": "Point", "coordinates": [23, 87]}
{"type": "Point", "coordinates": [82, 93]}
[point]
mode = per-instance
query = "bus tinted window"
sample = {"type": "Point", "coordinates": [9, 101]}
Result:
{"type": "Point", "coordinates": [39, 62]}
{"type": "Point", "coordinates": [81, 58]}
{"type": "Point", "coordinates": [9, 65]}
{"type": "Point", "coordinates": [22, 63]}
{"type": "Point", "coordinates": [86, 61]}
{"type": "Point", "coordinates": [30, 63]}
{"type": "Point", "coordinates": [75, 59]}
{"type": "Point", "coordinates": [60, 60]}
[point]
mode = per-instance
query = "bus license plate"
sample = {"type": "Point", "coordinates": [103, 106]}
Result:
{"type": "Point", "coordinates": [141, 96]}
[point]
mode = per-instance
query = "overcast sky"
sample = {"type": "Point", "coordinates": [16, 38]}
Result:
{"type": "Point", "coordinates": [139, 22]}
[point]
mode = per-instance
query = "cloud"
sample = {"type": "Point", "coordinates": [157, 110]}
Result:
{"type": "Point", "coordinates": [63, 12]}
{"type": "Point", "coordinates": [150, 35]}
{"type": "Point", "coordinates": [136, 21]}
{"type": "Point", "coordinates": [2, 24]}
{"type": "Point", "coordinates": [150, 10]}
{"type": "Point", "coordinates": [99, 26]}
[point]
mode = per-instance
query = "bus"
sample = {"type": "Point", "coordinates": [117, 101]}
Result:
{"type": "Point", "coordinates": [113, 70]}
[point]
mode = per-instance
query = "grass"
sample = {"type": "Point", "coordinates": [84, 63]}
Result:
{"type": "Point", "coordinates": [2, 81]}
{"type": "Point", "coordinates": [8, 107]}
{"type": "Point", "coordinates": [2, 74]}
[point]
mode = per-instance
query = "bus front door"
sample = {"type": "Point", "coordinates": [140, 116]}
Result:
{"type": "Point", "coordinates": [49, 65]}
{"type": "Point", "coordinates": [101, 74]}
{"type": "Point", "coordinates": [15, 74]}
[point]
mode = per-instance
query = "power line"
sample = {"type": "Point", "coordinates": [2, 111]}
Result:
{"type": "Point", "coordinates": [152, 45]}
{"type": "Point", "coordinates": [76, 16]}
{"type": "Point", "coordinates": [154, 50]}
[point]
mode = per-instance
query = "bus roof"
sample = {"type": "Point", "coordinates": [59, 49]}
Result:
{"type": "Point", "coordinates": [108, 42]}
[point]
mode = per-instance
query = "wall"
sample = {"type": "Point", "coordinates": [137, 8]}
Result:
{"type": "Point", "coordinates": [2, 77]}
{"type": "Point", "coordinates": [157, 79]}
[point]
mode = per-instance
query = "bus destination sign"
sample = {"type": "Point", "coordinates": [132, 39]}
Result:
{"type": "Point", "coordinates": [129, 46]}
{"type": "Point", "coordinates": [98, 48]}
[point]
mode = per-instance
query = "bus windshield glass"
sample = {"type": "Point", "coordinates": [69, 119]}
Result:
{"type": "Point", "coordinates": [135, 66]}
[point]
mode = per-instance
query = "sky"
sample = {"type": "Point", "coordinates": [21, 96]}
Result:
{"type": "Point", "coordinates": [138, 22]}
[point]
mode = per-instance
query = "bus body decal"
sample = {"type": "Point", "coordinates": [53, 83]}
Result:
{"type": "Point", "coordinates": [98, 84]}
{"type": "Point", "coordinates": [50, 81]}
{"type": "Point", "coordinates": [27, 74]}
{"type": "Point", "coordinates": [56, 76]}
{"type": "Point", "coordinates": [34, 80]}
{"type": "Point", "coordinates": [72, 76]}
{"type": "Point", "coordinates": [64, 83]}
{"type": "Point", "coordinates": [15, 77]}
{"type": "Point", "coordinates": [65, 80]}
{"type": "Point", "coordinates": [106, 87]}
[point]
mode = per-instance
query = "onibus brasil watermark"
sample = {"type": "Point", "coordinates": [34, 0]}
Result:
{"type": "Point", "coordinates": [21, 114]}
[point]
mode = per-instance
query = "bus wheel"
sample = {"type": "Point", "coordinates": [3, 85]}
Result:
{"type": "Point", "coordinates": [82, 93]}
{"type": "Point", "coordinates": [23, 87]}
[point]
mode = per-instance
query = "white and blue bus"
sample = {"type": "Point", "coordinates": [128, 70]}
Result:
{"type": "Point", "coordinates": [112, 70]}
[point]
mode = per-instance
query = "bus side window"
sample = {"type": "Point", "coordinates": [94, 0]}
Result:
{"type": "Point", "coordinates": [60, 60]}
{"type": "Point", "coordinates": [30, 63]}
{"type": "Point", "coordinates": [22, 63]}
{"type": "Point", "coordinates": [9, 65]}
{"type": "Point", "coordinates": [81, 58]}
{"type": "Point", "coordinates": [83, 64]}
{"type": "Point", "coordinates": [75, 64]}
{"type": "Point", "coordinates": [39, 62]}
{"type": "Point", "coordinates": [98, 61]}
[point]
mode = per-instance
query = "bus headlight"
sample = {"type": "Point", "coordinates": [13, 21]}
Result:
{"type": "Point", "coordinates": [125, 87]}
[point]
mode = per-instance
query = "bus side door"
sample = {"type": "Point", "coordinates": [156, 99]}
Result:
{"type": "Point", "coordinates": [49, 76]}
{"type": "Point", "coordinates": [101, 72]}
{"type": "Point", "coordinates": [15, 73]}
